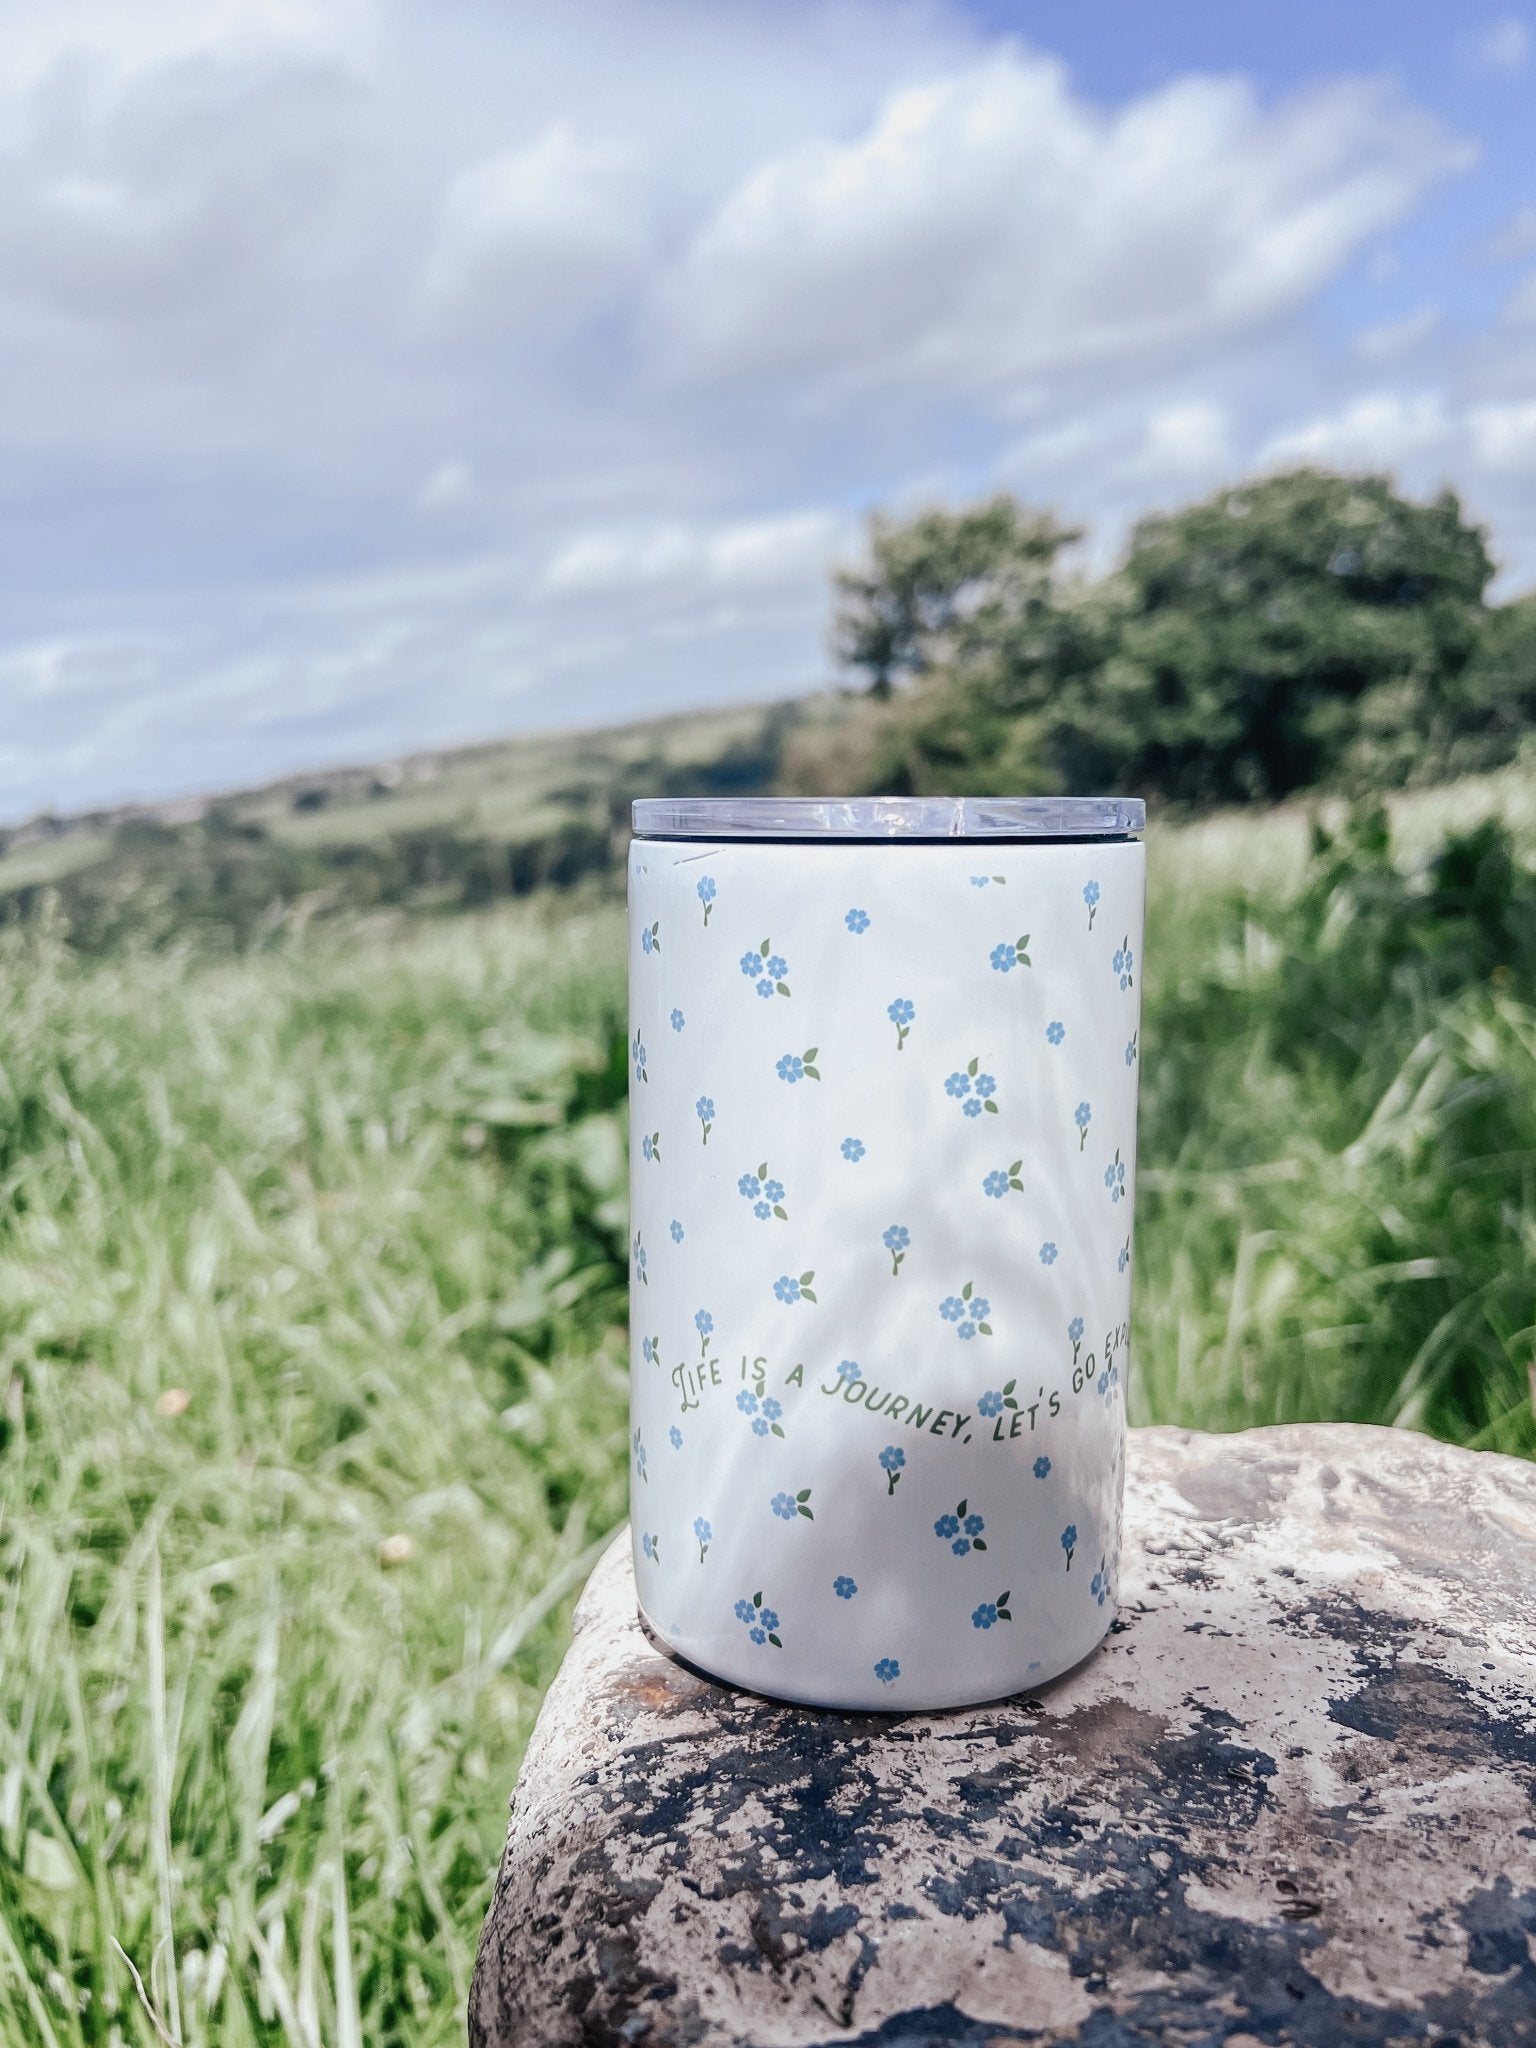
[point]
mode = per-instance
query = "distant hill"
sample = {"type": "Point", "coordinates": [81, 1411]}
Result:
{"type": "Point", "coordinates": [435, 831]}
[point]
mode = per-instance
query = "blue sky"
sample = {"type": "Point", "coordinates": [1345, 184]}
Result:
{"type": "Point", "coordinates": [376, 375]}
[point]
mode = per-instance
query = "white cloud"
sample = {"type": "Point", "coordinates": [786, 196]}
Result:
{"type": "Point", "coordinates": [1504, 47]}
{"type": "Point", "coordinates": [1379, 431]}
{"type": "Point", "coordinates": [535, 235]}
{"type": "Point", "coordinates": [448, 487]}
{"type": "Point", "coordinates": [1503, 436]}
{"type": "Point", "coordinates": [748, 554]}
{"type": "Point", "coordinates": [991, 227]}
{"type": "Point", "coordinates": [1395, 338]}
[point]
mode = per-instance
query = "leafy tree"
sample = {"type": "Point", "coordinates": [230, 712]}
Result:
{"type": "Point", "coordinates": [1303, 628]}
{"type": "Point", "coordinates": [1298, 630]}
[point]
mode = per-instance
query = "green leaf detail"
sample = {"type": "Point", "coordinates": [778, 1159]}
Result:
{"type": "Point", "coordinates": [810, 1053]}
{"type": "Point", "coordinates": [990, 1106]}
{"type": "Point", "coordinates": [782, 987]}
{"type": "Point", "coordinates": [781, 1212]}
{"type": "Point", "coordinates": [971, 1069]}
{"type": "Point", "coordinates": [985, 1329]}
{"type": "Point", "coordinates": [778, 1429]}
{"type": "Point", "coordinates": [966, 1290]}
{"type": "Point", "coordinates": [775, 1642]}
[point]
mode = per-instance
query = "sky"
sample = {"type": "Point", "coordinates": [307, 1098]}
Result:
{"type": "Point", "coordinates": [378, 375]}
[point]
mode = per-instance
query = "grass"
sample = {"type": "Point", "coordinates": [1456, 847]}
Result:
{"type": "Point", "coordinates": [312, 1390]}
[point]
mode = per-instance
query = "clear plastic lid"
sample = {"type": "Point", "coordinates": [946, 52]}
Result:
{"type": "Point", "coordinates": [890, 817]}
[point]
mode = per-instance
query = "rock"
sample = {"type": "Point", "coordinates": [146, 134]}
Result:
{"type": "Point", "coordinates": [1292, 1799]}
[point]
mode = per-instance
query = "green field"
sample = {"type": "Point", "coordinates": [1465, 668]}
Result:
{"type": "Point", "coordinates": [312, 1270]}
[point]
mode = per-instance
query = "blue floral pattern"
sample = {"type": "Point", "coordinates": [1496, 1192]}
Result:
{"type": "Point", "coordinates": [798, 1419]}
{"type": "Point", "coordinates": [760, 1622]}
{"type": "Point", "coordinates": [789, 1289]}
{"type": "Point", "coordinates": [798, 1066]}
{"type": "Point", "coordinates": [961, 1530]}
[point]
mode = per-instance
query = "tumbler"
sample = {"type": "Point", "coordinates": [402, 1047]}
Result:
{"type": "Point", "coordinates": [883, 1076]}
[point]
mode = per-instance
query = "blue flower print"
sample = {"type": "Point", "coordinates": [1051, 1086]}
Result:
{"type": "Point", "coordinates": [961, 1530]}
{"type": "Point", "coordinates": [1047, 1253]}
{"type": "Point", "coordinates": [887, 1670]}
{"type": "Point", "coordinates": [746, 1401]}
{"type": "Point", "coordinates": [650, 1146]}
{"type": "Point", "coordinates": [648, 1351]}
{"type": "Point", "coordinates": [1055, 1031]}
{"type": "Point", "coordinates": [986, 1086]}
{"type": "Point", "coordinates": [675, 1437]}
{"type": "Point", "coordinates": [704, 1535]}
{"type": "Point", "coordinates": [990, 1404]}
{"type": "Point", "coordinates": [789, 1505]}
{"type": "Point", "coordinates": [1091, 898]}
{"type": "Point", "coordinates": [991, 1612]}
{"type": "Point", "coordinates": [765, 1195]}
{"type": "Point", "coordinates": [650, 938]}
{"type": "Point", "coordinates": [896, 1239]}
{"type": "Point", "coordinates": [958, 1084]}
{"type": "Point", "coordinates": [852, 1150]}
{"type": "Point", "coordinates": [789, 1289]}
{"type": "Point", "coordinates": [1098, 1585]}
{"type": "Point", "coordinates": [1042, 1466]}
{"type": "Point", "coordinates": [760, 1622]}
{"type": "Point", "coordinates": [901, 1013]}
{"type": "Point", "coordinates": [704, 1110]}
{"type": "Point", "coordinates": [649, 1545]}
{"type": "Point", "coordinates": [968, 1311]}
{"type": "Point", "coordinates": [1075, 1336]}
{"type": "Point", "coordinates": [1123, 961]}
{"type": "Point", "coordinates": [707, 894]}
{"type": "Point", "coordinates": [974, 1107]}
{"type": "Point", "coordinates": [641, 1262]}
{"type": "Point", "coordinates": [1082, 1116]}
{"type": "Point", "coordinates": [995, 1185]}
{"type": "Point", "coordinates": [772, 1409]}
{"type": "Point", "coordinates": [798, 1066]}
{"type": "Point", "coordinates": [1114, 1177]}
{"type": "Point", "coordinates": [677, 1231]}
{"type": "Point", "coordinates": [1010, 954]}
{"type": "Point", "coordinates": [1103, 1383]}
{"type": "Point", "coordinates": [857, 921]}
{"type": "Point", "coordinates": [1069, 1541]}
{"type": "Point", "coordinates": [849, 1370]}
{"type": "Point", "coordinates": [765, 1414]}
{"type": "Point", "coordinates": [1130, 1049]}
{"type": "Point", "coordinates": [677, 1020]}
{"type": "Point", "coordinates": [844, 1587]}
{"type": "Point", "coordinates": [980, 881]}
{"type": "Point", "coordinates": [766, 969]}
{"type": "Point", "coordinates": [760, 1426]}
{"type": "Point", "coordinates": [637, 1053]}
{"type": "Point", "coordinates": [892, 1459]}
{"type": "Point", "coordinates": [704, 1323]}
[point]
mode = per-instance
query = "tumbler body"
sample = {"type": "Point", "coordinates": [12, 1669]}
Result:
{"type": "Point", "coordinates": [883, 1145]}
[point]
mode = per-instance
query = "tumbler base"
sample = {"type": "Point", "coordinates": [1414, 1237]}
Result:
{"type": "Point", "coordinates": [879, 1699]}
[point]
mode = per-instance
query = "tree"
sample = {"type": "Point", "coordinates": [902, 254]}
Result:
{"type": "Point", "coordinates": [1300, 629]}
{"type": "Point", "coordinates": [944, 588]}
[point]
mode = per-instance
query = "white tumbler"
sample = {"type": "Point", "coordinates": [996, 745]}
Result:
{"type": "Point", "coordinates": [883, 1078]}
